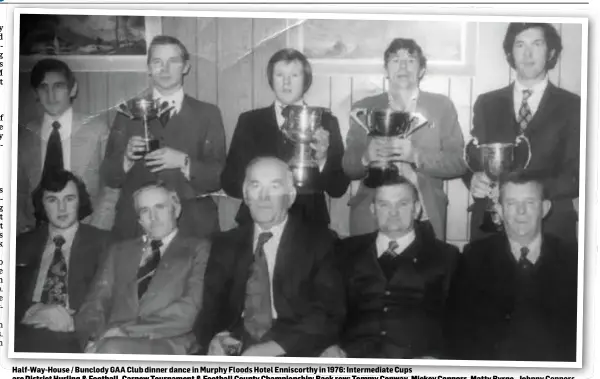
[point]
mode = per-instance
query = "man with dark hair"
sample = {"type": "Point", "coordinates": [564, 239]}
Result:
{"type": "Point", "coordinates": [258, 132]}
{"type": "Point", "coordinates": [146, 296]}
{"type": "Point", "coordinates": [515, 293]}
{"type": "Point", "coordinates": [190, 153]}
{"type": "Point", "coordinates": [397, 280]}
{"type": "Point", "coordinates": [60, 139]}
{"type": "Point", "coordinates": [55, 265]}
{"type": "Point", "coordinates": [547, 115]}
{"type": "Point", "coordinates": [430, 156]}
{"type": "Point", "coordinates": [271, 286]}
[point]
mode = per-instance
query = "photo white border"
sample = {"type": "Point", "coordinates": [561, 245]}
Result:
{"type": "Point", "coordinates": [320, 361]}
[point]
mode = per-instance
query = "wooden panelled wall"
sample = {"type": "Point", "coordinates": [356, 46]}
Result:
{"type": "Point", "coordinates": [229, 58]}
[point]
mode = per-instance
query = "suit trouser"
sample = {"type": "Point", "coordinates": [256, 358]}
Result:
{"type": "Point", "coordinates": [38, 340]}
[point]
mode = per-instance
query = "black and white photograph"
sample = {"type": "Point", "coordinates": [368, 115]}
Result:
{"type": "Point", "coordinates": [377, 188]}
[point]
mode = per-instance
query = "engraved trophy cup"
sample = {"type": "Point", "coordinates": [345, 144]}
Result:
{"type": "Point", "coordinates": [388, 124]}
{"type": "Point", "coordinates": [301, 124]}
{"type": "Point", "coordinates": [495, 159]}
{"type": "Point", "coordinates": [144, 109]}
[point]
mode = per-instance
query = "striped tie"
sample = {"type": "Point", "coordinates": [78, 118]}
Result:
{"type": "Point", "coordinates": [525, 114]}
{"type": "Point", "coordinates": [146, 271]}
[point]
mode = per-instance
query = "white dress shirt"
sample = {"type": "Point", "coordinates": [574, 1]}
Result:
{"type": "Point", "coordinates": [383, 242]}
{"type": "Point", "coordinates": [270, 249]}
{"type": "Point", "coordinates": [48, 256]}
{"type": "Point", "coordinates": [175, 99]}
{"type": "Point", "coordinates": [534, 100]}
{"type": "Point", "coordinates": [535, 248]}
{"type": "Point", "coordinates": [66, 126]}
{"type": "Point", "coordinates": [166, 241]}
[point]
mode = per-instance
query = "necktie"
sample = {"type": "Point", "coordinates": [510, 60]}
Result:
{"type": "Point", "coordinates": [386, 259]}
{"type": "Point", "coordinates": [54, 152]}
{"type": "Point", "coordinates": [164, 118]}
{"type": "Point", "coordinates": [257, 312]}
{"type": "Point", "coordinates": [525, 114]}
{"type": "Point", "coordinates": [146, 271]}
{"type": "Point", "coordinates": [281, 119]}
{"type": "Point", "coordinates": [55, 285]}
{"type": "Point", "coordinates": [523, 261]}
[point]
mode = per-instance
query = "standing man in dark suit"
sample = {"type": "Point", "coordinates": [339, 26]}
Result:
{"type": "Point", "coordinates": [271, 287]}
{"type": "Point", "coordinates": [515, 294]}
{"type": "Point", "coordinates": [258, 133]}
{"type": "Point", "coordinates": [191, 150]}
{"type": "Point", "coordinates": [397, 280]}
{"type": "Point", "coordinates": [430, 156]}
{"type": "Point", "coordinates": [146, 296]}
{"type": "Point", "coordinates": [56, 263]}
{"type": "Point", "coordinates": [547, 115]}
{"type": "Point", "coordinates": [61, 139]}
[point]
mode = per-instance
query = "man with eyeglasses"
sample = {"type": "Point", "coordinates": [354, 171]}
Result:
{"type": "Point", "coordinates": [188, 152]}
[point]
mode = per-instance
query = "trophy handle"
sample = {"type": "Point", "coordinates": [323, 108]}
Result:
{"type": "Point", "coordinates": [521, 138]}
{"type": "Point", "coordinates": [355, 113]}
{"type": "Point", "coordinates": [475, 142]}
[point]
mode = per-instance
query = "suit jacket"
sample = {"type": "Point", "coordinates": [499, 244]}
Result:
{"type": "Point", "coordinates": [88, 143]}
{"type": "Point", "coordinates": [482, 304]}
{"type": "Point", "coordinates": [87, 253]}
{"type": "Point", "coordinates": [554, 136]}
{"type": "Point", "coordinates": [197, 130]}
{"type": "Point", "coordinates": [307, 291]}
{"type": "Point", "coordinates": [408, 308]}
{"type": "Point", "coordinates": [167, 309]}
{"type": "Point", "coordinates": [440, 149]}
{"type": "Point", "coordinates": [258, 134]}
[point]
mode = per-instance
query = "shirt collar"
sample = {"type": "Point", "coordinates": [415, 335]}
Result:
{"type": "Point", "coordinates": [537, 88]}
{"type": "Point", "coordinates": [277, 231]}
{"type": "Point", "coordinates": [383, 242]}
{"type": "Point", "coordinates": [175, 99]}
{"type": "Point", "coordinates": [68, 234]}
{"type": "Point", "coordinates": [65, 120]}
{"type": "Point", "coordinates": [413, 100]}
{"type": "Point", "coordinates": [166, 241]}
{"type": "Point", "coordinates": [535, 248]}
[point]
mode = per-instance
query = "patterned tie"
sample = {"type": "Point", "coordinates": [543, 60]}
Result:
{"type": "Point", "coordinates": [54, 151]}
{"type": "Point", "coordinates": [525, 114]}
{"type": "Point", "coordinates": [257, 312]}
{"type": "Point", "coordinates": [280, 109]}
{"type": "Point", "coordinates": [146, 271]}
{"type": "Point", "coordinates": [55, 285]}
{"type": "Point", "coordinates": [525, 263]}
{"type": "Point", "coordinates": [386, 259]}
{"type": "Point", "coordinates": [166, 116]}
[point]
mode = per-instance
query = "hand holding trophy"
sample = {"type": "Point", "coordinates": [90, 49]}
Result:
{"type": "Point", "coordinates": [494, 160]}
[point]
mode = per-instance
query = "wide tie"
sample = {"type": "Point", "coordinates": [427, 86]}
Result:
{"type": "Point", "coordinates": [146, 271]}
{"type": "Point", "coordinates": [523, 261]}
{"type": "Point", "coordinates": [258, 310]}
{"type": "Point", "coordinates": [525, 114]}
{"type": "Point", "coordinates": [386, 259]}
{"type": "Point", "coordinates": [166, 116]}
{"type": "Point", "coordinates": [55, 285]}
{"type": "Point", "coordinates": [54, 151]}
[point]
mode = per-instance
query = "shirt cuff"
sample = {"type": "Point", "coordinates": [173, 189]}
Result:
{"type": "Point", "coordinates": [322, 165]}
{"type": "Point", "coordinates": [186, 168]}
{"type": "Point", "coordinates": [127, 164]}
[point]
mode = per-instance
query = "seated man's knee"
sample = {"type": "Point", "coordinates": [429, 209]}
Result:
{"type": "Point", "coordinates": [112, 345]}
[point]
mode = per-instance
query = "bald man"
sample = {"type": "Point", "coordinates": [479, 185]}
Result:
{"type": "Point", "coordinates": [271, 288]}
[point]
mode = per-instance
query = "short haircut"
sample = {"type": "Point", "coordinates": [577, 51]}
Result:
{"type": "Point", "coordinates": [522, 177]}
{"type": "Point", "coordinates": [289, 55]}
{"type": "Point", "coordinates": [553, 41]}
{"type": "Point", "coordinates": [396, 180]}
{"type": "Point", "coordinates": [167, 40]}
{"type": "Point", "coordinates": [56, 181]}
{"type": "Point", "coordinates": [44, 66]}
{"type": "Point", "coordinates": [410, 45]}
{"type": "Point", "coordinates": [157, 185]}
{"type": "Point", "coordinates": [266, 158]}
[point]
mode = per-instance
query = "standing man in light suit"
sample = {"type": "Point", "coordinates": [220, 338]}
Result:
{"type": "Point", "coordinates": [430, 156]}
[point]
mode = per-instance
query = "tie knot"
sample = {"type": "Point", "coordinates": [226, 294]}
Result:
{"type": "Point", "coordinates": [526, 94]}
{"type": "Point", "coordinates": [392, 246]}
{"type": "Point", "coordinates": [264, 238]}
{"type": "Point", "coordinates": [524, 252]}
{"type": "Point", "coordinates": [155, 244]}
{"type": "Point", "coordinates": [59, 241]}
{"type": "Point", "coordinates": [56, 125]}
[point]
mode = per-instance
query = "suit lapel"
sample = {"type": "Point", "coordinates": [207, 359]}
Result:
{"type": "Point", "coordinates": [548, 104]}
{"type": "Point", "coordinates": [34, 153]}
{"type": "Point", "coordinates": [37, 246]}
{"type": "Point", "coordinates": [81, 148]}
{"type": "Point", "coordinates": [243, 258]}
{"type": "Point", "coordinates": [77, 263]}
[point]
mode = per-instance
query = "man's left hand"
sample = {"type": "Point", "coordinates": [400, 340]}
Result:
{"type": "Point", "coordinates": [321, 144]}
{"type": "Point", "coordinates": [165, 158]}
{"type": "Point", "coordinates": [265, 349]}
{"type": "Point", "coordinates": [403, 149]}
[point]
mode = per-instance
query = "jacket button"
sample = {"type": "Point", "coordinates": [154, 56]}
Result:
{"type": "Point", "coordinates": [383, 332]}
{"type": "Point", "coordinates": [385, 309]}
{"type": "Point", "coordinates": [507, 317]}
{"type": "Point", "coordinates": [387, 293]}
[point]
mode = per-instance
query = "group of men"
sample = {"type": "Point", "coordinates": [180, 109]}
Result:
{"type": "Point", "coordinates": [165, 280]}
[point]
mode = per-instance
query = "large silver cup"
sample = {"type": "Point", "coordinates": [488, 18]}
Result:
{"type": "Point", "coordinates": [301, 124]}
{"type": "Point", "coordinates": [386, 124]}
{"type": "Point", "coordinates": [495, 159]}
{"type": "Point", "coordinates": [144, 109]}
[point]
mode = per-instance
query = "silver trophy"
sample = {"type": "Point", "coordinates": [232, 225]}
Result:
{"type": "Point", "coordinates": [301, 124]}
{"type": "Point", "coordinates": [144, 109]}
{"type": "Point", "coordinates": [387, 124]}
{"type": "Point", "coordinates": [495, 159]}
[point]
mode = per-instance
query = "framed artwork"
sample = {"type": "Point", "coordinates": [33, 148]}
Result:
{"type": "Point", "coordinates": [87, 42]}
{"type": "Point", "coordinates": [356, 47]}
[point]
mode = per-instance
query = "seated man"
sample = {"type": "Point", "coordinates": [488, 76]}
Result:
{"type": "Point", "coordinates": [271, 286]}
{"type": "Point", "coordinates": [56, 263]}
{"type": "Point", "coordinates": [146, 296]}
{"type": "Point", "coordinates": [515, 294]}
{"type": "Point", "coordinates": [396, 279]}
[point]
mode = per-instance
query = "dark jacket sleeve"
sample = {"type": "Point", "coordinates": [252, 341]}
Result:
{"type": "Point", "coordinates": [240, 153]}
{"type": "Point", "coordinates": [333, 179]}
{"type": "Point", "coordinates": [112, 171]}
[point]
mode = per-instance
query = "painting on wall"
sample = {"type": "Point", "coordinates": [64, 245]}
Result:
{"type": "Point", "coordinates": [87, 40]}
{"type": "Point", "coordinates": [355, 46]}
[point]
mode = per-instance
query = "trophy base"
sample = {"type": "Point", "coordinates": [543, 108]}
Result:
{"type": "Point", "coordinates": [305, 177]}
{"type": "Point", "coordinates": [491, 223]}
{"type": "Point", "coordinates": [377, 176]}
{"type": "Point", "coordinates": [153, 144]}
